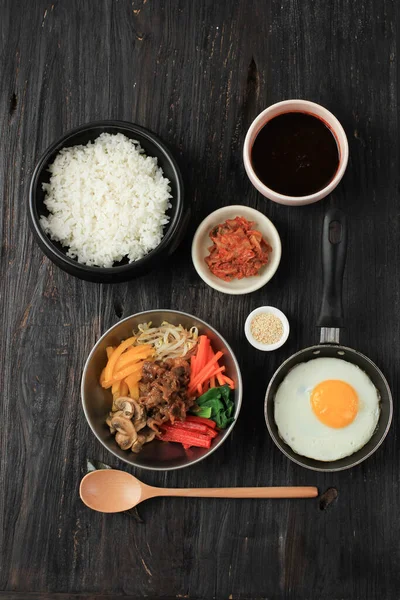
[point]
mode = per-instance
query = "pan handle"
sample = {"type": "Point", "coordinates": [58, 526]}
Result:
{"type": "Point", "coordinates": [334, 247]}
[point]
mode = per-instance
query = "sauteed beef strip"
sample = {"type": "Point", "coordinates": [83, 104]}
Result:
{"type": "Point", "coordinates": [164, 391]}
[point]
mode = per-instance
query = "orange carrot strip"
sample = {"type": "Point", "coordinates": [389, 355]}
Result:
{"type": "Point", "coordinates": [210, 355]}
{"type": "Point", "coordinates": [207, 375]}
{"type": "Point", "coordinates": [205, 350]}
{"type": "Point", "coordinates": [206, 368]}
{"type": "Point", "coordinates": [115, 356]}
{"type": "Point", "coordinates": [229, 381]}
{"type": "Point", "coordinates": [220, 379]}
{"type": "Point", "coordinates": [212, 381]}
{"type": "Point", "coordinates": [199, 389]}
{"type": "Point", "coordinates": [102, 375]}
{"type": "Point", "coordinates": [201, 355]}
{"type": "Point", "coordinates": [192, 368]}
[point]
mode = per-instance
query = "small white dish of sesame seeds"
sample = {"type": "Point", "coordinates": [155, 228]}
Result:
{"type": "Point", "coordinates": [266, 328]}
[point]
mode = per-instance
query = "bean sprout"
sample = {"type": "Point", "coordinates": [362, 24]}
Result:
{"type": "Point", "coordinates": [169, 341]}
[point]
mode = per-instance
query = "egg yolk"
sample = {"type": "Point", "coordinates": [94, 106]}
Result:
{"type": "Point", "coordinates": [334, 403]}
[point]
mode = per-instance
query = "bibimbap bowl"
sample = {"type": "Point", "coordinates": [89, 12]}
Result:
{"type": "Point", "coordinates": [156, 455]}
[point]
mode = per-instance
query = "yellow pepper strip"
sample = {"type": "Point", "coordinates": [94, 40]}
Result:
{"type": "Point", "coordinates": [123, 388]}
{"type": "Point", "coordinates": [115, 389]}
{"type": "Point", "coordinates": [133, 386]}
{"type": "Point", "coordinates": [115, 356]}
{"type": "Point", "coordinates": [109, 350]}
{"type": "Point", "coordinates": [135, 391]}
{"type": "Point", "coordinates": [133, 361]}
{"type": "Point", "coordinates": [107, 384]}
{"type": "Point", "coordinates": [132, 370]}
{"type": "Point", "coordinates": [135, 368]}
{"type": "Point", "coordinates": [127, 357]}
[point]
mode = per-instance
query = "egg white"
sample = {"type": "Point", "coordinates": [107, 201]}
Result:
{"type": "Point", "coordinates": [303, 431]}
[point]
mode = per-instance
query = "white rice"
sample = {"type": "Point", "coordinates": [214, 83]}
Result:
{"type": "Point", "coordinates": [107, 200]}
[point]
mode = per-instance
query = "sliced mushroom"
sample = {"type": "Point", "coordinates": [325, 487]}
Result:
{"type": "Point", "coordinates": [137, 446]}
{"type": "Point", "coordinates": [126, 405]}
{"type": "Point", "coordinates": [127, 431]}
{"type": "Point", "coordinates": [146, 436]}
{"type": "Point", "coordinates": [139, 410]}
{"type": "Point", "coordinates": [108, 422]}
{"type": "Point", "coordinates": [110, 418]}
{"type": "Point", "coordinates": [140, 418]}
{"type": "Point", "coordinates": [124, 441]}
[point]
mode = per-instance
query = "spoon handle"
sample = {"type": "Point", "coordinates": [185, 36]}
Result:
{"type": "Point", "coordinates": [244, 492]}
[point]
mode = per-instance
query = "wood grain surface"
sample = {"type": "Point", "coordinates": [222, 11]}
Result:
{"type": "Point", "coordinates": [197, 73]}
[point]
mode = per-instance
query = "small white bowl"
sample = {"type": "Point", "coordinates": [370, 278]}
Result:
{"type": "Point", "coordinates": [296, 106]}
{"type": "Point", "coordinates": [201, 243]}
{"type": "Point", "coordinates": [272, 310]}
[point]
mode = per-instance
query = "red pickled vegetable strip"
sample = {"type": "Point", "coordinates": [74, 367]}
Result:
{"type": "Point", "coordinates": [200, 427]}
{"type": "Point", "coordinates": [185, 437]}
{"type": "Point", "coordinates": [203, 420]}
{"type": "Point", "coordinates": [197, 427]}
{"type": "Point", "coordinates": [211, 433]}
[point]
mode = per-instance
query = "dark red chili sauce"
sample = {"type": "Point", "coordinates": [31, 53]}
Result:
{"type": "Point", "coordinates": [295, 154]}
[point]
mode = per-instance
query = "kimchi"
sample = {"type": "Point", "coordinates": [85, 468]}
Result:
{"type": "Point", "coordinates": [238, 250]}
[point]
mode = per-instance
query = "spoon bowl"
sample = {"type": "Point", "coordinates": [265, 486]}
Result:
{"type": "Point", "coordinates": [112, 491]}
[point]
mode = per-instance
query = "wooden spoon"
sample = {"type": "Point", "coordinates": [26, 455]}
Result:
{"type": "Point", "coordinates": [111, 491]}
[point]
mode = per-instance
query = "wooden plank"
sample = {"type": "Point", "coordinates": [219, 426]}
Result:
{"type": "Point", "coordinates": [50, 596]}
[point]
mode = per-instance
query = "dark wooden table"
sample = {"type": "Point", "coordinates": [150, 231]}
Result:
{"type": "Point", "coordinates": [197, 73]}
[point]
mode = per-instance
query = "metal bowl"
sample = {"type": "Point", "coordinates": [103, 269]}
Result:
{"type": "Point", "coordinates": [122, 271]}
{"type": "Point", "coordinates": [156, 456]}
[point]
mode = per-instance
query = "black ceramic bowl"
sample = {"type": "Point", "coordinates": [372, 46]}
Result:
{"type": "Point", "coordinates": [156, 456]}
{"type": "Point", "coordinates": [123, 270]}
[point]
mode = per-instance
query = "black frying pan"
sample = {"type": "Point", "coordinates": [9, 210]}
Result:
{"type": "Point", "coordinates": [334, 243]}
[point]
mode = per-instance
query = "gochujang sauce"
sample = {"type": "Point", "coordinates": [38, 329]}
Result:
{"type": "Point", "coordinates": [295, 154]}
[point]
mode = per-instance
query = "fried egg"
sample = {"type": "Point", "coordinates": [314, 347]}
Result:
{"type": "Point", "coordinates": [326, 409]}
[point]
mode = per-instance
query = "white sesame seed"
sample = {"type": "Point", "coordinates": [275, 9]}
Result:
{"type": "Point", "coordinates": [266, 328]}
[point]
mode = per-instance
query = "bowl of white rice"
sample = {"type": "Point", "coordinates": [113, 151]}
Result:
{"type": "Point", "coordinates": [106, 202]}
